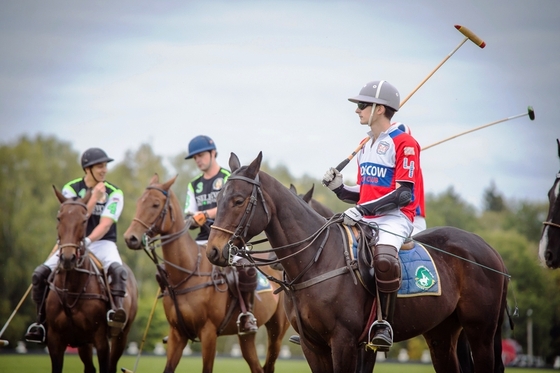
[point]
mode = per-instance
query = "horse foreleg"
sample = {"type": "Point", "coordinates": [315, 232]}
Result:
{"type": "Point", "coordinates": [366, 360]}
{"type": "Point", "coordinates": [118, 345]}
{"type": "Point", "coordinates": [86, 356]}
{"type": "Point", "coordinates": [103, 352]}
{"type": "Point", "coordinates": [319, 362]}
{"type": "Point", "coordinates": [56, 352]}
{"type": "Point", "coordinates": [249, 351]}
{"type": "Point", "coordinates": [276, 327]}
{"type": "Point", "coordinates": [175, 346]}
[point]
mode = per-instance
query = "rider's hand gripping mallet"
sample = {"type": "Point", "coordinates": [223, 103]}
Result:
{"type": "Point", "coordinates": [124, 370]}
{"type": "Point", "coordinates": [530, 112]}
{"type": "Point", "coordinates": [469, 35]}
{"type": "Point", "coordinates": [4, 342]}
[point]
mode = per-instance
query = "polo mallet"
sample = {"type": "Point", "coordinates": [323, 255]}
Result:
{"type": "Point", "coordinates": [124, 370]}
{"type": "Point", "coordinates": [4, 342]}
{"type": "Point", "coordinates": [530, 112]}
{"type": "Point", "coordinates": [469, 35]}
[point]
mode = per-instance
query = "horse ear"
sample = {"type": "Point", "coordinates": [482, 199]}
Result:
{"type": "Point", "coordinates": [234, 163]}
{"type": "Point", "coordinates": [59, 195]}
{"type": "Point", "coordinates": [293, 189]}
{"type": "Point", "coordinates": [307, 197]}
{"type": "Point", "coordinates": [155, 179]}
{"type": "Point", "coordinates": [168, 183]}
{"type": "Point", "coordinates": [255, 166]}
{"type": "Point", "coordinates": [88, 195]}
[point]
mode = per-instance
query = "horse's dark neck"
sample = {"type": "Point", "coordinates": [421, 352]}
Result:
{"type": "Point", "coordinates": [292, 221]}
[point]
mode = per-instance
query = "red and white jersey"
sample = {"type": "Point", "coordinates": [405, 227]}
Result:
{"type": "Point", "coordinates": [393, 157]}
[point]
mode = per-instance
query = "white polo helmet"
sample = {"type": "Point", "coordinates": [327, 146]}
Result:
{"type": "Point", "coordinates": [379, 92]}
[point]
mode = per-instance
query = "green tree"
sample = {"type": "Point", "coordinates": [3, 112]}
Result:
{"type": "Point", "coordinates": [449, 209]}
{"type": "Point", "coordinates": [493, 200]}
{"type": "Point", "coordinates": [28, 170]}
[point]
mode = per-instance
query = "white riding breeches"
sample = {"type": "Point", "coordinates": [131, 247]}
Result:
{"type": "Point", "coordinates": [105, 251]}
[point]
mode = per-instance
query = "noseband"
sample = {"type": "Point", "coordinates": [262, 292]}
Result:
{"type": "Point", "coordinates": [243, 226]}
{"type": "Point", "coordinates": [79, 248]}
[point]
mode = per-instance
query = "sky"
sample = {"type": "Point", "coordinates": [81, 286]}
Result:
{"type": "Point", "coordinates": [275, 76]}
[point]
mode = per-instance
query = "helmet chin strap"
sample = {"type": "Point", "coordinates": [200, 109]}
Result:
{"type": "Point", "coordinates": [91, 173]}
{"type": "Point", "coordinates": [371, 114]}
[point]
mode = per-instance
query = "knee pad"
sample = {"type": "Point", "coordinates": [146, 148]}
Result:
{"type": "Point", "coordinates": [387, 268]}
{"type": "Point", "coordinates": [119, 275]}
{"type": "Point", "coordinates": [39, 281]}
{"type": "Point", "coordinates": [247, 278]}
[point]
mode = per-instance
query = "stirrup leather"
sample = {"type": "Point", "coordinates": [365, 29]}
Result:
{"type": "Point", "coordinates": [375, 347]}
{"type": "Point", "coordinates": [35, 327]}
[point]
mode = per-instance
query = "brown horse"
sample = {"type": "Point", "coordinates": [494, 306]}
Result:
{"type": "Point", "coordinates": [326, 304]}
{"type": "Point", "coordinates": [197, 301]}
{"type": "Point", "coordinates": [549, 247]}
{"type": "Point", "coordinates": [78, 301]}
{"type": "Point", "coordinates": [464, 354]}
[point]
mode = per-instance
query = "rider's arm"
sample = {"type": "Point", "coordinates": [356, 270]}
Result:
{"type": "Point", "coordinates": [398, 198]}
{"type": "Point", "coordinates": [349, 194]}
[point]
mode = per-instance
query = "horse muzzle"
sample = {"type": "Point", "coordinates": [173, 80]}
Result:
{"type": "Point", "coordinates": [133, 242]}
{"type": "Point", "coordinates": [221, 257]}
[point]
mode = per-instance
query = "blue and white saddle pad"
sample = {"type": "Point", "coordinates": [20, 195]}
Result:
{"type": "Point", "coordinates": [419, 273]}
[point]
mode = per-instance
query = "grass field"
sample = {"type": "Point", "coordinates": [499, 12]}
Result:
{"type": "Point", "coordinates": [38, 363]}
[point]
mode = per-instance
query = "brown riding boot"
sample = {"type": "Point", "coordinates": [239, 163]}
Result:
{"type": "Point", "coordinates": [383, 332]}
{"type": "Point", "coordinates": [117, 317]}
{"type": "Point", "coordinates": [246, 322]}
{"type": "Point", "coordinates": [36, 332]}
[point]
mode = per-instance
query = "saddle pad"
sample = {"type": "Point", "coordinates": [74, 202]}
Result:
{"type": "Point", "coordinates": [262, 283]}
{"type": "Point", "coordinates": [419, 273]}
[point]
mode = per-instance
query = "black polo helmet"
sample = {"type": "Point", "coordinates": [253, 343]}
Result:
{"type": "Point", "coordinates": [93, 156]}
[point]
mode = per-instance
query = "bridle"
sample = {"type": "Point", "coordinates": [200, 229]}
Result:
{"type": "Point", "coordinates": [245, 222]}
{"type": "Point", "coordinates": [80, 248]}
{"type": "Point", "coordinates": [554, 207]}
{"type": "Point", "coordinates": [154, 229]}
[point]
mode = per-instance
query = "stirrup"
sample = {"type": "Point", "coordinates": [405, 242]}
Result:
{"type": "Point", "coordinates": [295, 339]}
{"type": "Point", "coordinates": [34, 329]}
{"type": "Point", "coordinates": [115, 319]}
{"type": "Point", "coordinates": [379, 347]}
{"type": "Point", "coordinates": [253, 319]}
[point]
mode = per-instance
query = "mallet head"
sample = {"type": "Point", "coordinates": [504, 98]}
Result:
{"type": "Point", "coordinates": [472, 37]}
{"type": "Point", "coordinates": [531, 113]}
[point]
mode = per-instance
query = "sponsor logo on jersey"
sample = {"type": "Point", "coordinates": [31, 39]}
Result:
{"type": "Point", "coordinates": [375, 174]}
{"type": "Point", "coordinates": [382, 147]}
{"type": "Point", "coordinates": [408, 150]}
{"type": "Point", "coordinates": [218, 183]}
{"type": "Point", "coordinates": [199, 187]}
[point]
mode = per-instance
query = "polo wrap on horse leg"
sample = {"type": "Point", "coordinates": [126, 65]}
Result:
{"type": "Point", "coordinates": [388, 277]}
{"type": "Point", "coordinates": [117, 317]}
{"type": "Point", "coordinates": [36, 332]}
{"type": "Point", "coordinates": [247, 323]}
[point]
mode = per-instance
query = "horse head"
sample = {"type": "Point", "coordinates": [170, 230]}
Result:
{"type": "Point", "coordinates": [320, 208]}
{"type": "Point", "coordinates": [549, 246]}
{"type": "Point", "coordinates": [242, 212]}
{"type": "Point", "coordinates": [154, 213]}
{"type": "Point", "coordinates": [72, 221]}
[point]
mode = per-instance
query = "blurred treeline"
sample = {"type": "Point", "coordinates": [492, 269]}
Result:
{"type": "Point", "coordinates": [30, 166]}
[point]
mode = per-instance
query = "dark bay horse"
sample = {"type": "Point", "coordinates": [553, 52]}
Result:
{"type": "Point", "coordinates": [78, 300]}
{"type": "Point", "coordinates": [463, 349]}
{"type": "Point", "coordinates": [326, 304]}
{"type": "Point", "coordinates": [549, 246]}
{"type": "Point", "coordinates": [197, 301]}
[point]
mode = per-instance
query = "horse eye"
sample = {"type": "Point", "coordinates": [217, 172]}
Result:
{"type": "Point", "coordinates": [238, 202]}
